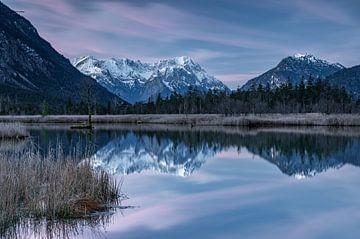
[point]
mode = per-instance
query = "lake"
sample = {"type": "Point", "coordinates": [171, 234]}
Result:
{"type": "Point", "coordinates": [218, 182]}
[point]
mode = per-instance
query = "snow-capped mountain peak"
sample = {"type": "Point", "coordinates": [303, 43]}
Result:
{"type": "Point", "coordinates": [294, 69]}
{"type": "Point", "coordinates": [299, 55]}
{"type": "Point", "coordinates": [307, 57]}
{"type": "Point", "coordinates": [135, 81]}
{"type": "Point", "coordinates": [312, 59]}
{"type": "Point", "coordinates": [181, 61]}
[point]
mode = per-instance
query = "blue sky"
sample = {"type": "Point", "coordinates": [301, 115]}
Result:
{"type": "Point", "coordinates": [234, 40]}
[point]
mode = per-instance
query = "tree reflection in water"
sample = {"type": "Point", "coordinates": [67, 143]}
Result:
{"type": "Point", "coordinates": [49, 229]}
{"type": "Point", "coordinates": [296, 152]}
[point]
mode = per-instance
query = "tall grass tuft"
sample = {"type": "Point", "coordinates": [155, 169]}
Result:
{"type": "Point", "coordinates": [13, 131]}
{"type": "Point", "coordinates": [51, 187]}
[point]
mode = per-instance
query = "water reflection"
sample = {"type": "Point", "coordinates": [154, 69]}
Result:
{"type": "Point", "coordinates": [221, 188]}
{"type": "Point", "coordinates": [51, 229]}
{"type": "Point", "coordinates": [51, 195]}
{"type": "Point", "coordinates": [305, 155]}
{"type": "Point", "coordinates": [136, 152]}
{"type": "Point", "coordinates": [296, 152]}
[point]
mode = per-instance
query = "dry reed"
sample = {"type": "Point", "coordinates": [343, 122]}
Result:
{"type": "Point", "coordinates": [306, 119]}
{"type": "Point", "coordinates": [50, 187]}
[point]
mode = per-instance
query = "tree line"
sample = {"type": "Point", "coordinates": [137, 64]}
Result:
{"type": "Point", "coordinates": [306, 97]}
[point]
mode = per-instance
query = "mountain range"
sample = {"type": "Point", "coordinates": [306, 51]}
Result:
{"type": "Point", "coordinates": [32, 71]}
{"type": "Point", "coordinates": [135, 81]}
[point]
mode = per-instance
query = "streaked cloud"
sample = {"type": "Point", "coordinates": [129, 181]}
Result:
{"type": "Point", "coordinates": [231, 39]}
{"type": "Point", "coordinates": [328, 11]}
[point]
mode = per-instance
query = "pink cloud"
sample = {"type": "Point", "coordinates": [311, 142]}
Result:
{"type": "Point", "coordinates": [156, 22]}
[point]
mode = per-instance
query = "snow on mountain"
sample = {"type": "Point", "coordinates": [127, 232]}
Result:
{"type": "Point", "coordinates": [294, 69]}
{"type": "Point", "coordinates": [135, 81]}
{"type": "Point", "coordinates": [299, 55]}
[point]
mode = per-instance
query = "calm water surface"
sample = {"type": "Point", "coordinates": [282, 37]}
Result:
{"type": "Point", "coordinates": [226, 182]}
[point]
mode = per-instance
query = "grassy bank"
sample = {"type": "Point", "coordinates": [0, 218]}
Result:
{"type": "Point", "coordinates": [252, 120]}
{"type": "Point", "coordinates": [50, 187]}
{"type": "Point", "coordinates": [11, 130]}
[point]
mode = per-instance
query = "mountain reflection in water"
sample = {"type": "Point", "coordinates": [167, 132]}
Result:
{"type": "Point", "coordinates": [297, 152]}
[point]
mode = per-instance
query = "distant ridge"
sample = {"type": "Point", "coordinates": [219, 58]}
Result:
{"type": "Point", "coordinates": [349, 78]}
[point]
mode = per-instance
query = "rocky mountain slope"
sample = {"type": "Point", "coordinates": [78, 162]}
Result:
{"type": "Point", "coordinates": [294, 69]}
{"type": "Point", "coordinates": [32, 71]}
{"type": "Point", "coordinates": [135, 81]}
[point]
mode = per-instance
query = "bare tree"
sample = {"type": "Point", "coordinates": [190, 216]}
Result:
{"type": "Point", "coordinates": [89, 102]}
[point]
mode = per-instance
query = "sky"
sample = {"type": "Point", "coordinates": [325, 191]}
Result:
{"type": "Point", "coordinates": [235, 40]}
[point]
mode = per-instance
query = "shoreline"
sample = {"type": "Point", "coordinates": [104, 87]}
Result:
{"type": "Point", "coordinates": [230, 130]}
{"type": "Point", "coordinates": [250, 120]}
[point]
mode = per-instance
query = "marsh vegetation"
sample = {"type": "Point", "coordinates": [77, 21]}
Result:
{"type": "Point", "coordinates": [52, 188]}
{"type": "Point", "coordinates": [304, 119]}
